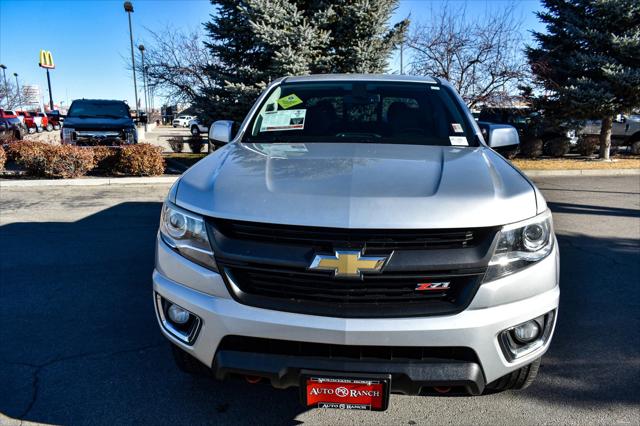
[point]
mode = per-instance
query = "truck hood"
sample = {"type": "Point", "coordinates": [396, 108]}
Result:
{"type": "Point", "coordinates": [98, 123]}
{"type": "Point", "coordinates": [353, 185]}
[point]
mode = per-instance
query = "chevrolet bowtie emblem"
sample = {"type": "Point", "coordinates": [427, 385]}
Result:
{"type": "Point", "coordinates": [349, 264]}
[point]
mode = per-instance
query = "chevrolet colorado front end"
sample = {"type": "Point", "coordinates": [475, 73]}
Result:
{"type": "Point", "coordinates": [358, 237]}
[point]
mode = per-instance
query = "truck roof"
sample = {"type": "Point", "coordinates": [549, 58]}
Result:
{"type": "Point", "coordinates": [361, 77]}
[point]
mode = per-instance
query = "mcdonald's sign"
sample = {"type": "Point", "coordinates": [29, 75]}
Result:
{"type": "Point", "coordinates": [46, 60]}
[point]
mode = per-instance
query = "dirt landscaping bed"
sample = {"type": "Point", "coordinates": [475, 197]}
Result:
{"type": "Point", "coordinates": [576, 163]}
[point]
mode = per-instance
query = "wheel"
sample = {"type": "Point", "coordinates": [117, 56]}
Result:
{"type": "Point", "coordinates": [56, 127]}
{"type": "Point", "coordinates": [188, 364]}
{"type": "Point", "coordinates": [519, 379]}
{"type": "Point", "coordinates": [32, 130]}
{"type": "Point", "coordinates": [195, 131]}
{"type": "Point", "coordinates": [635, 148]}
{"type": "Point", "coordinates": [39, 129]}
{"type": "Point", "coordinates": [175, 125]}
{"type": "Point", "coordinates": [49, 127]}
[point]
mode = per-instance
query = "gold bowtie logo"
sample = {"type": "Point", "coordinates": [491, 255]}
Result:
{"type": "Point", "coordinates": [348, 263]}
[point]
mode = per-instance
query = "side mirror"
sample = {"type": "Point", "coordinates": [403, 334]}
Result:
{"type": "Point", "coordinates": [221, 132]}
{"type": "Point", "coordinates": [501, 137]}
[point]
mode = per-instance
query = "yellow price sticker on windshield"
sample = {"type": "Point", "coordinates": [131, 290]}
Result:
{"type": "Point", "coordinates": [289, 101]}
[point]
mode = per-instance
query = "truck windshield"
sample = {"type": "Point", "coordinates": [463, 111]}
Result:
{"type": "Point", "coordinates": [367, 112]}
{"type": "Point", "coordinates": [98, 109]}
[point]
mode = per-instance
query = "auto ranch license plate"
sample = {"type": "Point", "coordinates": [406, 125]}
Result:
{"type": "Point", "coordinates": [346, 393]}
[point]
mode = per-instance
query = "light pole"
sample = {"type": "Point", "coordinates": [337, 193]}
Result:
{"type": "Point", "coordinates": [6, 86]}
{"type": "Point", "coordinates": [15, 74]}
{"type": "Point", "coordinates": [144, 84]}
{"type": "Point", "coordinates": [128, 7]}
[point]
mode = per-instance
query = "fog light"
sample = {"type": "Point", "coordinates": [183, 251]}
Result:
{"type": "Point", "coordinates": [177, 314]}
{"type": "Point", "coordinates": [527, 332]}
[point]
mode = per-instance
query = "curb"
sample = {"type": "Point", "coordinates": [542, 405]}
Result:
{"type": "Point", "coordinates": [582, 172]}
{"type": "Point", "coordinates": [21, 183]}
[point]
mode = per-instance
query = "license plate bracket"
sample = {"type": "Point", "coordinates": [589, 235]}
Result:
{"type": "Point", "coordinates": [346, 391]}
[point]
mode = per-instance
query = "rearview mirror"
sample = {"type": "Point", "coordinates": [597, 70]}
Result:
{"type": "Point", "coordinates": [221, 132]}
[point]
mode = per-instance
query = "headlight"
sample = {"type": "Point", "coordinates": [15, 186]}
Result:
{"type": "Point", "coordinates": [186, 233]}
{"type": "Point", "coordinates": [67, 134]}
{"type": "Point", "coordinates": [520, 245]}
{"type": "Point", "coordinates": [130, 136]}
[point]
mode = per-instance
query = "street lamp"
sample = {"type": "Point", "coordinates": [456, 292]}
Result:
{"type": "Point", "coordinates": [128, 7]}
{"type": "Point", "coordinates": [6, 86]}
{"type": "Point", "coordinates": [15, 74]}
{"type": "Point", "coordinates": [144, 83]}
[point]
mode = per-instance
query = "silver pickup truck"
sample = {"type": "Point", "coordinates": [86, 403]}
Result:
{"type": "Point", "coordinates": [356, 237]}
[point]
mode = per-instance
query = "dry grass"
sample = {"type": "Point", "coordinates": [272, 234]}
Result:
{"type": "Point", "coordinates": [576, 163]}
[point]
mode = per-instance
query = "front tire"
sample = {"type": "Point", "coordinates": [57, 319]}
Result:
{"type": "Point", "coordinates": [517, 380]}
{"type": "Point", "coordinates": [49, 127]}
{"type": "Point", "coordinates": [188, 364]}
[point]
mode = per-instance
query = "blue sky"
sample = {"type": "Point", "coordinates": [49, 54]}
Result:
{"type": "Point", "coordinates": [89, 40]}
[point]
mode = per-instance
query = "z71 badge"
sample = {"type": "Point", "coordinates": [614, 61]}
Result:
{"type": "Point", "coordinates": [444, 285]}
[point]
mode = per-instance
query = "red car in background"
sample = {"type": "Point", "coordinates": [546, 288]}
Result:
{"type": "Point", "coordinates": [28, 120]}
{"type": "Point", "coordinates": [55, 118]}
{"type": "Point", "coordinates": [45, 123]}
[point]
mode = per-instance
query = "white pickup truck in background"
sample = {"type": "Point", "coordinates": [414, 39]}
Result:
{"type": "Point", "coordinates": [624, 132]}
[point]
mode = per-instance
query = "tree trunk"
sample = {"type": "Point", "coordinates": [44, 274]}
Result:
{"type": "Point", "coordinates": [605, 138]}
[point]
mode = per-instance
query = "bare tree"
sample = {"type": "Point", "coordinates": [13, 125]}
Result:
{"type": "Point", "coordinates": [8, 95]}
{"type": "Point", "coordinates": [481, 56]}
{"type": "Point", "coordinates": [176, 64]}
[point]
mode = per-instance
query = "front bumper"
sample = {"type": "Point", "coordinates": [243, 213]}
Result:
{"type": "Point", "coordinates": [497, 306]}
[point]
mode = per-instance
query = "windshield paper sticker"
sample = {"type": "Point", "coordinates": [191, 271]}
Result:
{"type": "Point", "coordinates": [283, 120]}
{"type": "Point", "coordinates": [457, 128]}
{"type": "Point", "coordinates": [289, 101]}
{"type": "Point", "coordinates": [458, 141]}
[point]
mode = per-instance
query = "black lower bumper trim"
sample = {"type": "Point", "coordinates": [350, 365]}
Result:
{"type": "Point", "coordinates": [408, 377]}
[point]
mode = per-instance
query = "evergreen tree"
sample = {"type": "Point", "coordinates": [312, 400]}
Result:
{"type": "Point", "coordinates": [256, 41]}
{"type": "Point", "coordinates": [588, 61]}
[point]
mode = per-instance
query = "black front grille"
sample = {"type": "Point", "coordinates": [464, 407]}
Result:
{"type": "Point", "coordinates": [366, 239]}
{"type": "Point", "coordinates": [355, 352]}
{"type": "Point", "coordinates": [383, 295]}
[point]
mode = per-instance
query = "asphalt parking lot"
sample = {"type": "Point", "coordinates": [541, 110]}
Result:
{"type": "Point", "coordinates": [79, 343]}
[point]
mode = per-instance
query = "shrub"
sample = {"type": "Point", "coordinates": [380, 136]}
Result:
{"type": "Point", "coordinates": [176, 144]}
{"type": "Point", "coordinates": [531, 147]}
{"type": "Point", "coordinates": [23, 152]}
{"type": "Point", "coordinates": [588, 144]}
{"type": "Point", "coordinates": [557, 147]}
{"type": "Point", "coordinates": [196, 144]}
{"type": "Point", "coordinates": [106, 159]}
{"type": "Point", "coordinates": [3, 158]}
{"type": "Point", "coordinates": [141, 160]}
{"type": "Point", "coordinates": [58, 161]}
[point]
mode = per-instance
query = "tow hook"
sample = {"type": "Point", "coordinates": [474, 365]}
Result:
{"type": "Point", "coordinates": [442, 389]}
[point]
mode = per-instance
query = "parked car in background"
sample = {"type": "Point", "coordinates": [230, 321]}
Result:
{"type": "Point", "coordinates": [183, 121]}
{"type": "Point", "coordinates": [44, 121]}
{"type": "Point", "coordinates": [55, 118]}
{"type": "Point", "coordinates": [29, 121]}
{"type": "Point", "coordinates": [98, 122]}
{"type": "Point", "coordinates": [625, 131]}
{"type": "Point", "coordinates": [196, 127]}
{"type": "Point", "coordinates": [532, 124]}
{"type": "Point", "coordinates": [10, 126]}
